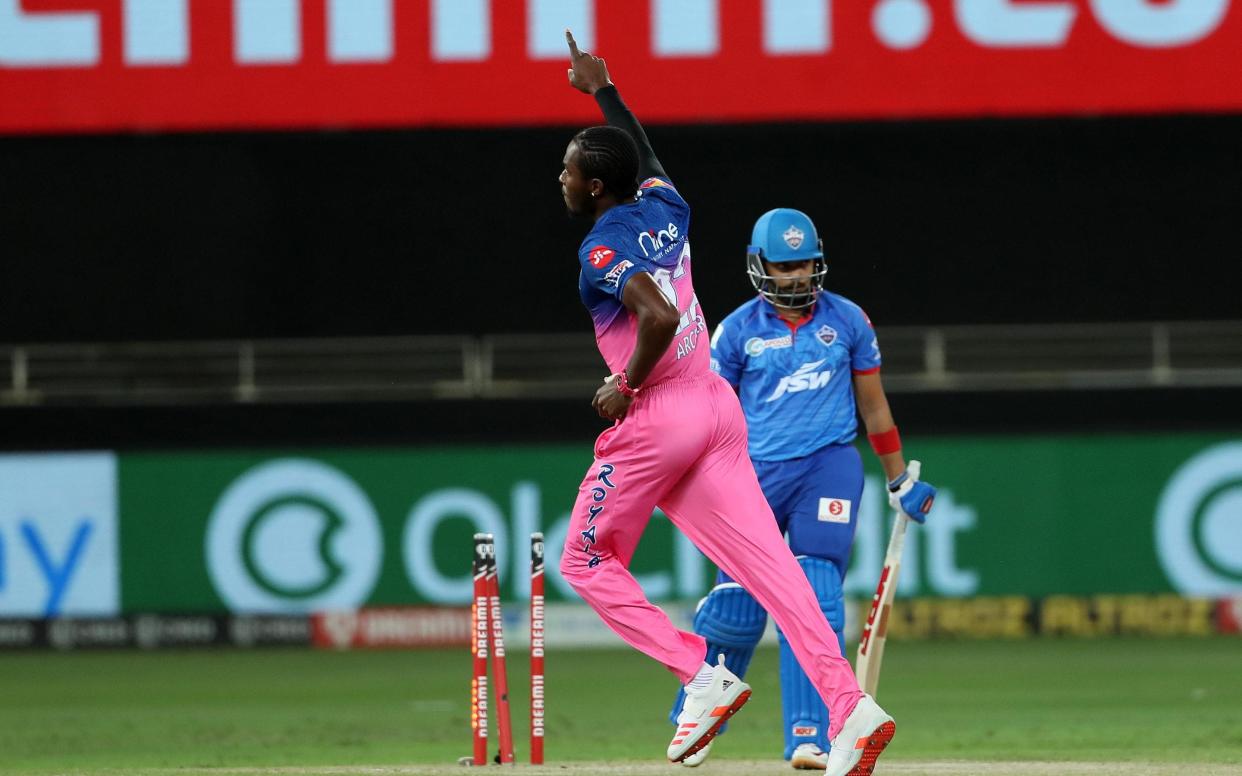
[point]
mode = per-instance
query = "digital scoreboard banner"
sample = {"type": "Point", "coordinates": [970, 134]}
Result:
{"type": "Point", "coordinates": [302, 531]}
{"type": "Point", "coordinates": [118, 65]}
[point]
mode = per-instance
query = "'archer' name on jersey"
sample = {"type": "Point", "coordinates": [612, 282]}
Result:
{"type": "Point", "coordinates": [687, 344]}
{"type": "Point", "coordinates": [805, 378]}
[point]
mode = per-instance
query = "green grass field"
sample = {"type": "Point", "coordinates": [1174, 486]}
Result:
{"type": "Point", "coordinates": [961, 707]}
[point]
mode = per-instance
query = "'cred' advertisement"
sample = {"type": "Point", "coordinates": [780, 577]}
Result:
{"type": "Point", "coordinates": [58, 535]}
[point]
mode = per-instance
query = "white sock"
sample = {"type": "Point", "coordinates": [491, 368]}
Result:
{"type": "Point", "coordinates": [701, 680]}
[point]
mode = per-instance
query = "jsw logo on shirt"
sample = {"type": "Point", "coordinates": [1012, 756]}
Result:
{"type": "Point", "coordinates": [804, 379]}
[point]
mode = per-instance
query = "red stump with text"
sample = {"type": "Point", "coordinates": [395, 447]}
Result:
{"type": "Point", "coordinates": [478, 647]}
{"type": "Point", "coordinates": [536, 649]}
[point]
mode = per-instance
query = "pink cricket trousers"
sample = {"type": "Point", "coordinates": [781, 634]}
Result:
{"type": "Point", "coordinates": [682, 447]}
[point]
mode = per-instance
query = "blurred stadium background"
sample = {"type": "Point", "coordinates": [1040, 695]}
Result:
{"type": "Point", "coordinates": [288, 310]}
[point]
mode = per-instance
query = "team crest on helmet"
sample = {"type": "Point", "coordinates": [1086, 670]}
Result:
{"type": "Point", "coordinates": [793, 237]}
{"type": "Point", "coordinates": [826, 334]}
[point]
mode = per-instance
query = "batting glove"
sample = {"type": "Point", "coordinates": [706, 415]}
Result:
{"type": "Point", "coordinates": [912, 498]}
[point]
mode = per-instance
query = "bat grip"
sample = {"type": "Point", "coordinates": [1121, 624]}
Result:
{"type": "Point", "coordinates": [897, 540]}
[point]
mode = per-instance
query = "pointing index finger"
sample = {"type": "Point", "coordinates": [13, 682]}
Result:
{"type": "Point", "coordinates": [574, 53]}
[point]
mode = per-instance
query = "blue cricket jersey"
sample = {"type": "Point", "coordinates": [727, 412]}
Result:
{"type": "Point", "coordinates": [650, 234]}
{"type": "Point", "coordinates": [796, 385]}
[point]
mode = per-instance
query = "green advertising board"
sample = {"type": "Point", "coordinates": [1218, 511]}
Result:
{"type": "Point", "coordinates": [314, 529]}
{"type": "Point", "coordinates": [301, 530]}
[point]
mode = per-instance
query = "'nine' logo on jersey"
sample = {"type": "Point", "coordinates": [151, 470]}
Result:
{"type": "Point", "coordinates": [804, 379]}
{"type": "Point", "coordinates": [657, 240]}
{"type": "Point", "coordinates": [600, 255]}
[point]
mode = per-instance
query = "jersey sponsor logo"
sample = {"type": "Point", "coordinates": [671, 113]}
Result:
{"type": "Point", "coordinates": [826, 334]}
{"type": "Point", "coordinates": [793, 237]}
{"type": "Point", "coordinates": [600, 255]}
{"type": "Point", "coordinates": [835, 510]}
{"type": "Point", "coordinates": [756, 345]}
{"type": "Point", "coordinates": [656, 240]}
{"type": "Point", "coordinates": [614, 275]}
{"type": "Point", "coordinates": [806, 378]}
{"type": "Point", "coordinates": [805, 731]}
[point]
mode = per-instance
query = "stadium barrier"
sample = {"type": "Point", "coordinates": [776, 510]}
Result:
{"type": "Point", "coordinates": [549, 365]}
{"type": "Point", "coordinates": [104, 534]}
{"type": "Point", "coordinates": [155, 631]}
{"type": "Point", "coordinates": [576, 626]}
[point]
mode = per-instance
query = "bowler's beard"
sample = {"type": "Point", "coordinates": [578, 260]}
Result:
{"type": "Point", "coordinates": [579, 216]}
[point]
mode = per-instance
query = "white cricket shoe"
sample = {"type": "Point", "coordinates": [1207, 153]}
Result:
{"type": "Point", "coordinates": [696, 759]}
{"type": "Point", "coordinates": [706, 710]}
{"type": "Point", "coordinates": [867, 730]}
{"type": "Point", "coordinates": [809, 757]}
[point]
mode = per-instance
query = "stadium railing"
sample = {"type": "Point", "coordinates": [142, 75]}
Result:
{"type": "Point", "coordinates": [1185, 354]}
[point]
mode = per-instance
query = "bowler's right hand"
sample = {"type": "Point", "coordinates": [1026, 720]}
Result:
{"type": "Point", "coordinates": [609, 402]}
{"type": "Point", "coordinates": [587, 73]}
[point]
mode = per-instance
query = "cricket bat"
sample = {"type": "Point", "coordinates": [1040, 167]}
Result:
{"type": "Point", "coordinates": [875, 628]}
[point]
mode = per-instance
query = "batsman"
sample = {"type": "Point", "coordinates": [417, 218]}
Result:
{"type": "Point", "coordinates": [806, 364]}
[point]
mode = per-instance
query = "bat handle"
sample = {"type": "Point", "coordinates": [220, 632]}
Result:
{"type": "Point", "coordinates": [897, 540]}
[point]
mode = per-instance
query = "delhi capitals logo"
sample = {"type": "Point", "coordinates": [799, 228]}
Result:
{"type": "Point", "coordinates": [793, 237]}
{"type": "Point", "coordinates": [826, 334]}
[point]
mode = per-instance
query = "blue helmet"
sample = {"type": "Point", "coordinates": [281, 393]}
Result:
{"type": "Point", "coordinates": [779, 236]}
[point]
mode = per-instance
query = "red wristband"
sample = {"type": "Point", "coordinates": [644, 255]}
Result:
{"type": "Point", "coordinates": [623, 385]}
{"type": "Point", "coordinates": [886, 442]}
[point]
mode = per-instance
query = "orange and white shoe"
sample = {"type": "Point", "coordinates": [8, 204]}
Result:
{"type": "Point", "coordinates": [696, 759]}
{"type": "Point", "coordinates": [866, 732]}
{"type": "Point", "coordinates": [706, 710]}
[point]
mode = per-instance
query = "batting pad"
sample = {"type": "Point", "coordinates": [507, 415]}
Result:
{"type": "Point", "coordinates": [805, 716]}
